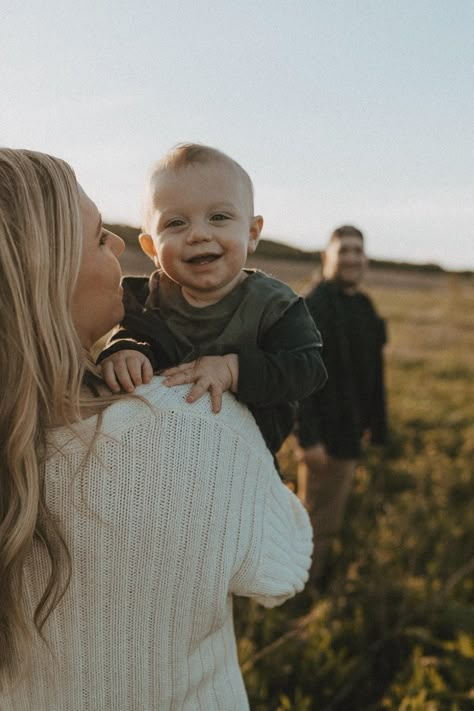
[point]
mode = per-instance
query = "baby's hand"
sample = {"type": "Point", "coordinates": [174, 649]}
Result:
{"type": "Point", "coordinates": [127, 369]}
{"type": "Point", "coordinates": [214, 373]}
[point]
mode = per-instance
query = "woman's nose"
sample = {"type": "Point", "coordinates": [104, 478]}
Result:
{"type": "Point", "coordinates": [118, 245]}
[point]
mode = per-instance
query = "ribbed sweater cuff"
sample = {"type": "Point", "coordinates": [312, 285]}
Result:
{"type": "Point", "coordinates": [286, 548]}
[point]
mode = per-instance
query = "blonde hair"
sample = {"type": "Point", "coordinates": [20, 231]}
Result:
{"type": "Point", "coordinates": [183, 155]}
{"type": "Point", "coordinates": [42, 370]}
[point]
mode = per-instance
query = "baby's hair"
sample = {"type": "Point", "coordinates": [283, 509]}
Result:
{"type": "Point", "coordinates": [346, 231]}
{"type": "Point", "coordinates": [183, 155]}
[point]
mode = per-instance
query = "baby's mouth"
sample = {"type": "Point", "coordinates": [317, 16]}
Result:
{"type": "Point", "coordinates": [203, 259]}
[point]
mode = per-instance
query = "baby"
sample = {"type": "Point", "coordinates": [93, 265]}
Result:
{"type": "Point", "coordinates": [202, 318]}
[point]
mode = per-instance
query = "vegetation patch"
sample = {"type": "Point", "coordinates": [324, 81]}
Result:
{"type": "Point", "coordinates": [393, 628]}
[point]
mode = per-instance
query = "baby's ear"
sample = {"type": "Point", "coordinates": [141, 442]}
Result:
{"type": "Point", "coordinates": [148, 246]}
{"type": "Point", "coordinates": [256, 225]}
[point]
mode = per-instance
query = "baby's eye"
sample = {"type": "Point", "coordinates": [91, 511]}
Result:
{"type": "Point", "coordinates": [219, 217]}
{"type": "Point", "coordinates": [104, 236]}
{"type": "Point", "coordinates": [175, 223]}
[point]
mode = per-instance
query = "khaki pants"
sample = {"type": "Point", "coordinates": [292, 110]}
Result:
{"type": "Point", "coordinates": [323, 488]}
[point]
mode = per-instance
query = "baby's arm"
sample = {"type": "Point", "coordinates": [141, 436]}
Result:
{"type": "Point", "coordinates": [288, 366]}
{"type": "Point", "coordinates": [214, 373]}
{"type": "Point", "coordinates": [131, 357]}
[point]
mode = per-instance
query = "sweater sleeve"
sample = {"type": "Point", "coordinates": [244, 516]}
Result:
{"type": "Point", "coordinates": [241, 529]}
{"type": "Point", "coordinates": [148, 334]}
{"type": "Point", "coordinates": [123, 340]}
{"type": "Point", "coordinates": [277, 545]}
{"type": "Point", "coordinates": [288, 365]}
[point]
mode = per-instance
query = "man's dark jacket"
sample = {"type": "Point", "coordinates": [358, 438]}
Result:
{"type": "Point", "coordinates": [333, 416]}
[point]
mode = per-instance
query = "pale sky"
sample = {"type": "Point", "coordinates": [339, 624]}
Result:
{"type": "Point", "coordinates": [341, 111]}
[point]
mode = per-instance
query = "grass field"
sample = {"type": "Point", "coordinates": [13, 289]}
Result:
{"type": "Point", "coordinates": [394, 628]}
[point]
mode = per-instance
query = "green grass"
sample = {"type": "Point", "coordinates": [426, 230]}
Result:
{"type": "Point", "coordinates": [394, 627]}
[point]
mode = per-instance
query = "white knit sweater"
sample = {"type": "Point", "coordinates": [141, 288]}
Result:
{"type": "Point", "coordinates": [179, 510]}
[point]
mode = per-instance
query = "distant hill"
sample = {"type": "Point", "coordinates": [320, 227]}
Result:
{"type": "Point", "coordinates": [279, 250]}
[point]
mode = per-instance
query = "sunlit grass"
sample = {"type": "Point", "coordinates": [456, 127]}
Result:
{"type": "Point", "coordinates": [393, 629]}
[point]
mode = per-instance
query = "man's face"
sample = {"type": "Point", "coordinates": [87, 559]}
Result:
{"type": "Point", "coordinates": [345, 261]}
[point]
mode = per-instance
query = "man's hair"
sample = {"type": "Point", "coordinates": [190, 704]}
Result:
{"type": "Point", "coordinates": [183, 155]}
{"type": "Point", "coordinates": [346, 231]}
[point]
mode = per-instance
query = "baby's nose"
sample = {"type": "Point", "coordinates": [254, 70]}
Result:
{"type": "Point", "coordinates": [199, 232]}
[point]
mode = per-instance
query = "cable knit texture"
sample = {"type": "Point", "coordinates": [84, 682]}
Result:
{"type": "Point", "coordinates": [177, 510]}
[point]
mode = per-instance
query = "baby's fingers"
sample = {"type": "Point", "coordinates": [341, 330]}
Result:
{"type": "Point", "coordinates": [179, 368]}
{"type": "Point", "coordinates": [216, 398]}
{"type": "Point", "coordinates": [125, 373]}
{"type": "Point", "coordinates": [198, 389]}
{"type": "Point", "coordinates": [187, 376]}
{"type": "Point", "coordinates": [108, 373]}
{"type": "Point", "coordinates": [147, 371]}
{"type": "Point", "coordinates": [135, 370]}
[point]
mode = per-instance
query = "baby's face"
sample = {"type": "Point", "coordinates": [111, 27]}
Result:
{"type": "Point", "coordinates": [202, 229]}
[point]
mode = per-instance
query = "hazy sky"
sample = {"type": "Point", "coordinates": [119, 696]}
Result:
{"type": "Point", "coordinates": [341, 110]}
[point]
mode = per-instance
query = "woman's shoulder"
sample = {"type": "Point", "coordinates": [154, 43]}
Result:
{"type": "Point", "coordinates": [234, 416]}
{"type": "Point", "coordinates": [147, 407]}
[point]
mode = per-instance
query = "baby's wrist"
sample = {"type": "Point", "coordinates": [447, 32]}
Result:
{"type": "Point", "coordinates": [232, 361]}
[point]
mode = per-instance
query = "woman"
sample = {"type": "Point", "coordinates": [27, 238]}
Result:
{"type": "Point", "coordinates": [126, 523]}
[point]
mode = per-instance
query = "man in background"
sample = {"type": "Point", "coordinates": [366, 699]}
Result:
{"type": "Point", "coordinates": [350, 408]}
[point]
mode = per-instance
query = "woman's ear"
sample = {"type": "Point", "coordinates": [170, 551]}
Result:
{"type": "Point", "coordinates": [148, 246]}
{"type": "Point", "coordinates": [256, 225]}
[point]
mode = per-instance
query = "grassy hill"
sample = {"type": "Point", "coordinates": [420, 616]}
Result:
{"type": "Point", "coordinates": [267, 249]}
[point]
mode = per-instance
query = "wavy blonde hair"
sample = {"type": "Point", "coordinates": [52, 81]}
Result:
{"type": "Point", "coordinates": [43, 368]}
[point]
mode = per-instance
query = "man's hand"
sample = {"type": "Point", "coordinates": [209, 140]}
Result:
{"type": "Point", "coordinates": [214, 373]}
{"type": "Point", "coordinates": [126, 369]}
